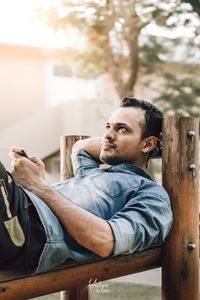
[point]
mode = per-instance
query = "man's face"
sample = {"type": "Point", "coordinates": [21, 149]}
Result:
{"type": "Point", "coordinates": [122, 139]}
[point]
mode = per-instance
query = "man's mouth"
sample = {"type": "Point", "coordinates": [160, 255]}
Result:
{"type": "Point", "coordinates": [108, 145]}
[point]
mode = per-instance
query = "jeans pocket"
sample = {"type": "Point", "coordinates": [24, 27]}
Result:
{"type": "Point", "coordinates": [15, 231]}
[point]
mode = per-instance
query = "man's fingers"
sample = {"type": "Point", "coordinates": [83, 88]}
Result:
{"type": "Point", "coordinates": [19, 162]}
{"type": "Point", "coordinates": [37, 160]}
{"type": "Point", "coordinates": [15, 152]}
{"type": "Point", "coordinates": [15, 148]}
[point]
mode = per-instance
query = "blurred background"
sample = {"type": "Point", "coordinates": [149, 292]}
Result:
{"type": "Point", "coordinates": [66, 64]}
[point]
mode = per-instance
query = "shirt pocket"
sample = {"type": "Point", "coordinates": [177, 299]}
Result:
{"type": "Point", "coordinates": [110, 184]}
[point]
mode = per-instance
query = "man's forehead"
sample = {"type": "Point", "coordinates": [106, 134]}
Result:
{"type": "Point", "coordinates": [128, 115]}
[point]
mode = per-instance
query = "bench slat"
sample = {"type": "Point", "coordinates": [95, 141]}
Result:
{"type": "Point", "coordinates": [79, 275]}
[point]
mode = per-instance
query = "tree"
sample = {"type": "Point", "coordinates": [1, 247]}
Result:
{"type": "Point", "coordinates": [116, 38]}
{"type": "Point", "coordinates": [195, 5]}
{"type": "Point", "coordinates": [182, 96]}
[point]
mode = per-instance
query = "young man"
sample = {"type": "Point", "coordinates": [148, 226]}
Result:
{"type": "Point", "coordinates": [101, 211]}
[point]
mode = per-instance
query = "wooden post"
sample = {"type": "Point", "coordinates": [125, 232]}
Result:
{"type": "Point", "coordinates": [180, 258]}
{"type": "Point", "coordinates": [66, 172]}
{"type": "Point", "coordinates": [66, 144]}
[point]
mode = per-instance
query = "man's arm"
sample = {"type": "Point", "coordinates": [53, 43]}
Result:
{"type": "Point", "coordinates": [90, 145]}
{"type": "Point", "coordinates": [89, 230]}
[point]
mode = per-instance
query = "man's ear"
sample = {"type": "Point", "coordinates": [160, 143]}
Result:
{"type": "Point", "coordinates": [149, 144]}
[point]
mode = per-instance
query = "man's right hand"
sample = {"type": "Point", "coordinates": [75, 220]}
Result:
{"type": "Point", "coordinates": [90, 145]}
{"type": "Point", "coordinates": [27, 172]}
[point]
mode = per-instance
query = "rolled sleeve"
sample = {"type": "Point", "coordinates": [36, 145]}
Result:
{"type": "Point", "coordinates": [83, 162]}
{"type": "Point", "coordinates": [123, 234]}
{"type": "Point", "coordinates": [144, 222]}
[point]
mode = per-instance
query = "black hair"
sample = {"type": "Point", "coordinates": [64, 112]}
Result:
{"type": "Point", "coordinates": [153, 121]}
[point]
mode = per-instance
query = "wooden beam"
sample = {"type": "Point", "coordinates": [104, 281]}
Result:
{"type": "Point", "coordinates": [81, 275]}
{"type": "Point", "coordinates": [180, 265]}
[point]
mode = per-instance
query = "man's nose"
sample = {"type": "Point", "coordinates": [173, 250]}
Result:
{"type": "Point", "coordinates": [110, 134]}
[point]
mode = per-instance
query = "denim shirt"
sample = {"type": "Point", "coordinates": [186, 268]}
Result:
{"type": "Point", "coordinates": [137, 209]}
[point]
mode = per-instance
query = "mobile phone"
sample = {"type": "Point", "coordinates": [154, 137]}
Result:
{"type": "Point", "coordinates": [23, 153]}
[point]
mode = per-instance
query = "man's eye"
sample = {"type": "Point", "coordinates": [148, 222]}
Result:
{"type": "Point", "coordinates": [122, 129]}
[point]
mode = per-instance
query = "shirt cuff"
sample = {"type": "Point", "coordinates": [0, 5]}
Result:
{"type": "Point", "coordinates": [124, 237]}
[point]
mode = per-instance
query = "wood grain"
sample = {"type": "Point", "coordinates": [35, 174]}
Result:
{"type": "Point", "coordinates": [180, 265]}
{"type": "Point", "coordinates": [79, 275]}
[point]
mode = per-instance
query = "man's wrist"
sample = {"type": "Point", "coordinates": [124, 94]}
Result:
{"type": "Point", "coordinates": [40, 187]}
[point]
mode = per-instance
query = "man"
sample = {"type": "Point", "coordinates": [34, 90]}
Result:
{"type": "Point", "coordinates": [101, 211]}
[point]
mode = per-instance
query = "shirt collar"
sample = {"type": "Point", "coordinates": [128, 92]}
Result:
{"type": "Point", "coordinates": [129, 168]}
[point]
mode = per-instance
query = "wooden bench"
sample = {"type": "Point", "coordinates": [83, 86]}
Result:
{"type": "Point", "coordinates": [178, 256]}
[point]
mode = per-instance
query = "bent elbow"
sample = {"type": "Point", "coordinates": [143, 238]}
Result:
{"type": "Point", "coordinates": [106, 250]}
{"type": "Point", "coordinates": [77, 146]}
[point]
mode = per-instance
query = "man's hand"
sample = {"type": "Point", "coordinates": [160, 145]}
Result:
{"type": "Point", "coordinates": [90, 145]}
{"type": "Point", "coordinates": [27, 172]}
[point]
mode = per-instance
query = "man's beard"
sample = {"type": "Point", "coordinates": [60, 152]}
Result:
{"type": "Point", "coordinates": [113, 160]}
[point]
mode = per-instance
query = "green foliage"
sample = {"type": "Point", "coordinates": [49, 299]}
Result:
{"type": "Point", "coordinates": [180, 96]}
{"type": "Point", "coordinates": [195, 5]}
{"type": "Point", "coordinates": [152, 53]}
{"type": "Point", "coordinates": [116, 43]}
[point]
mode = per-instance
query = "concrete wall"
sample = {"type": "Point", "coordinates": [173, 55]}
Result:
{"type": "Point", "coordinates": [88, 116]}
{"type": "Point", "coordinates": [38, 135]}
{"type": "Point", "coordinates": [22, 86]}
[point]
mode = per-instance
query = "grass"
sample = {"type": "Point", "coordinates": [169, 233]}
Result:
{"type": "Point", "coordinates": [108, 290]}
